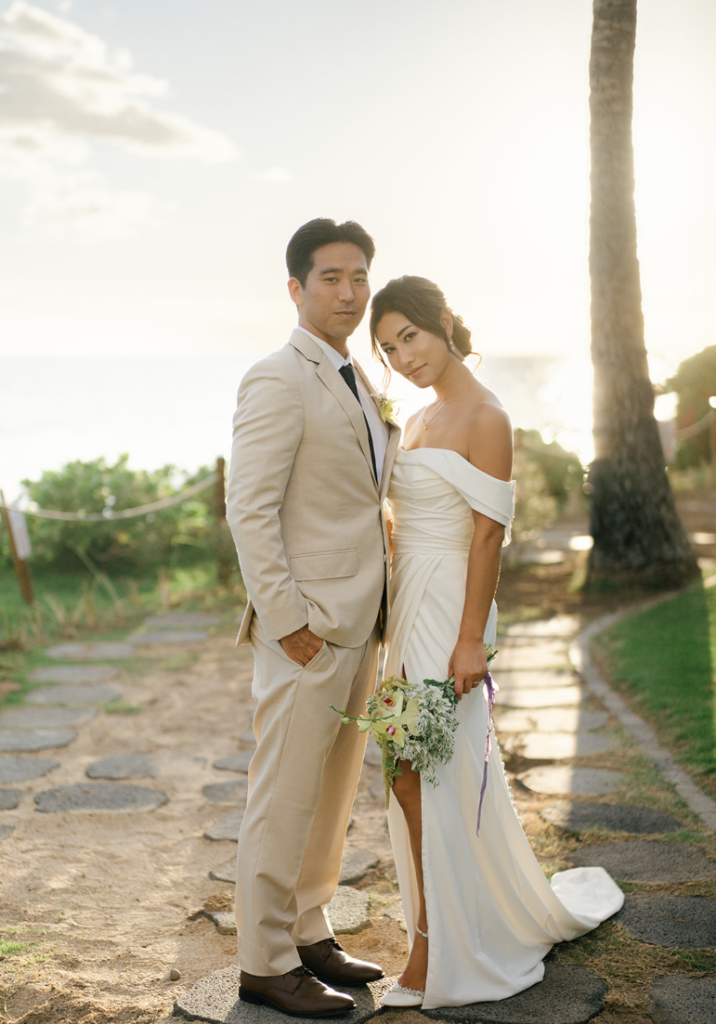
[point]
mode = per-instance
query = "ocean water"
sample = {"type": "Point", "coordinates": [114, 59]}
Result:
{"type": "Point", "coordinates": [179, 411]}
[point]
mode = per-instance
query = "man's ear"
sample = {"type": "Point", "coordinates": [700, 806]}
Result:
{"type": "Point", "coordinates": [296, 292]}
{"type": "Point", "coordinates": [446, 322]}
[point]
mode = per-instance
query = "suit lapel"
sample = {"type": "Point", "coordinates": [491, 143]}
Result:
{"type": "Point", "coordinates": [390, 453]}
{"type": "Point", "coordinates": [329, 375]}
{"type": "Point", "coordinates": [368, 387]}
{"type": "Point", "coordinates": [393, 434]}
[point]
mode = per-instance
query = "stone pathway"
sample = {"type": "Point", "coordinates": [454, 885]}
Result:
{"type": "Point", "coordinates": [74, 697]}
{"type": "Point", "coordinates": [559, 737]}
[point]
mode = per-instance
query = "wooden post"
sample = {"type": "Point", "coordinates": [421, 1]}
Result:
{"type": "Point", "coordinates": [223, 565]}
{"type": "Point", "coordinates": [220, 492]}
{"type": "Point", "coordinates": [21, 570]}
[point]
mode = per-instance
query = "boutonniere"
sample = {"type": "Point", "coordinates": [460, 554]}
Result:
{"type": "Point", "coordinates": [388, 410]}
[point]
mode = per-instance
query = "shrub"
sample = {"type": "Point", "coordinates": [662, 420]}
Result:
{"type": "Point", "coordinates": [548, 477]}
{"type": "Point", "coordinates": [694, 382]}
{"type": "Point", "coordinates": [159, 537]}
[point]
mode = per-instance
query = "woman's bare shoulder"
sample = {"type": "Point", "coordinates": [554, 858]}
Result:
{"type": "Point", "coordinates": [490, 436]}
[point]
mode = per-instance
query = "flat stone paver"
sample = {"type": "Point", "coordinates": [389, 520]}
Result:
{"type": "Point", "coordinates": [644, 861]}
{"type": "Point", "coordinates": [248, 737]}
{"type": "Point", "coordinates": [348, 913]}
{"type": "Point", "coordinates": [526, 679]}
{"type": "Point", "coordinates": [129, 766]}
{"type": "Point", "coordinates": [238, 762]}
{"type": "Point", "coordinates": [554, 697]}
{"type": "Point", "coordinates": [567, 995]}
{"type": "Point", "coordinates": [10, 798]}
{"type": "Point", "coordinates": [557, 746]}
{"type": "Point", "coordinates": [395, 913]}
{"type": "Point", "coordinates": [559, 627]}
{"type": "Point", "coordinates": [90, 651]}
{"type": "Point", "coordinates": [126, 766]}
{"type": "Point", "coordinates": [22, 769]}
{"type": "Point", "coordinates": [232, 792]}
{"type": "Point", "coordinates": [215, 998]}
{"type": "Point", "coordinates": [98, 796]}
{"type": "Point", "coordinates": [226, 827]}
{"type": "Point", "coordinates": [377, 789]}
{"type": "Point", "coordinates": [684, 922]}
{"type": "Point", "coordinates": [348, 910]}
{"type": "Point", "coordinates": [224, 921]}
{"type": "Point", "coordinates": [516, 655]}
{"type": "Point", "coordinates": [373, 754]}
{"type": "Point", "coordinates": [182, 620]}
{"type": "Point", "coordinates": [548, 719]}
{"type": "Point", "coordinates": [35, 739]}
{"type": "Point", "coordinates": [356, 864]}
{"type": "Point", "coordinates": [225, 872]}
{"type": "Point", "coordinates": [74, 695]}
{"type": "Point", "coordinates": [44, 718]}
{"type": "Point", "coordinates": [158, 637]}
{"type": "Point", "coordinates": [74, 674]}
{"type": "Point", "coordinates": [562, 780]}
{"type": "Point", "coordinates": [5, 831]}
{"type": "Point", "coordinates": [574, 817]}
{"type": "Point", "coordinates": [682, 1000]}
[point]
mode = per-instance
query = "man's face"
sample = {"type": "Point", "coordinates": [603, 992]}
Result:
{"type": "Point", "coordinates": [332, 302]}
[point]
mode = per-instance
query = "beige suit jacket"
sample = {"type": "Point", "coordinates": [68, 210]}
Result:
{"type": "Point", "coordinates": [303, 505]}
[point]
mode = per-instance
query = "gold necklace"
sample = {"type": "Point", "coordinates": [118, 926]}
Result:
{"type": "Point", "coordinates": [445, 401]}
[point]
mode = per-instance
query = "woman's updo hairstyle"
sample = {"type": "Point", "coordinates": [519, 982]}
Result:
{"type": "Point", "coordinates": [421, 302]}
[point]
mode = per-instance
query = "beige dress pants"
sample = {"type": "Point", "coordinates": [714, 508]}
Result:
{"type": "Point", "coordinates": [302, 782]}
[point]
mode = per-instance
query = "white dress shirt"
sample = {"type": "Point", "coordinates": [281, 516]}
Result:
{"type": "Point", "coordinates": [376, 426]}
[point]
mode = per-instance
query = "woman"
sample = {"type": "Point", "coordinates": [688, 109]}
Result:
{"type": "Point", "coordinates": [479, 911]}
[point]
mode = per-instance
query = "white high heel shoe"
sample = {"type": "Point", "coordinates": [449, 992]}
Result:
{"type": "Point", "coordinates": [399, 996]}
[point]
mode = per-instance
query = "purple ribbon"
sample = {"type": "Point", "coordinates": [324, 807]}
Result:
{"type": "Point", "coordinates": [491, 689]}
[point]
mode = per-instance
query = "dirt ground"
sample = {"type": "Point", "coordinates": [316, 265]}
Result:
{"type": "Point", "coordinates": [98, 908]}
{"type": "Point", "coordinates": [104, 905]}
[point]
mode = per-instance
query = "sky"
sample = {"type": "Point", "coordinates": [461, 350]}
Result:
{"type": "Point", "coordinates": [156, 156]}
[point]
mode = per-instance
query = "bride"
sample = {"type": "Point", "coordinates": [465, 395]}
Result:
{"type": "Point", "coordinates": [480, 913]}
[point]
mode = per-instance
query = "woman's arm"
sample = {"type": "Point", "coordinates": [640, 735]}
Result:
{"type": "Point", "coordinates": [490, 449]}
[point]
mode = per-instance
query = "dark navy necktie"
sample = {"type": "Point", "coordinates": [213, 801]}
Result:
{"type": "Point", "coordinates": [348, 374]}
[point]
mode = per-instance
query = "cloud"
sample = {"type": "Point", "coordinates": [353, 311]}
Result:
{"type": "Point", "coordinates": [62, 92]}
{"type": "Point", "coordinates": [56, 78]}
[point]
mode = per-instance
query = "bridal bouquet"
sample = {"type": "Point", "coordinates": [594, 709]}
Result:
{"type": "Point", "coordinates": [416, 722]}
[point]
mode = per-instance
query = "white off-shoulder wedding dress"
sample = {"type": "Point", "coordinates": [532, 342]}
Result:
{"type": "Point", "coordinates": [492, 914]}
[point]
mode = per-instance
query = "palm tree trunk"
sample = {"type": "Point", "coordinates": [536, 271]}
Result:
{"type": "Point", "coordinates": [638, 538]}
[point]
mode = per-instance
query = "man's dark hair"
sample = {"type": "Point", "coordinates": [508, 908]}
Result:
{"type": "Point", "coordinates": [317, 233]}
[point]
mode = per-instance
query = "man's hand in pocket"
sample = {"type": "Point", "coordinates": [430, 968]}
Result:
{"type": "Point", "coordinates": [302, 645]}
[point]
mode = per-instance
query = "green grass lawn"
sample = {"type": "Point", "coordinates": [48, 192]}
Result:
{"type": "Point", "coordinates": [70, 602]}
{"type": "Point", "coordinates": [664, 662]}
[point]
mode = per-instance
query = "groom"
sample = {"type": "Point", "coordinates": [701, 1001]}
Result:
{"type": "Point", "coordinates": [310, 465]}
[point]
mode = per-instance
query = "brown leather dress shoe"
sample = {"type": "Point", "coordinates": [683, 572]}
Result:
{"type": "Point", "coordinates": [331, 963]}
{"type": "Point", "coordinates": [298, 993]}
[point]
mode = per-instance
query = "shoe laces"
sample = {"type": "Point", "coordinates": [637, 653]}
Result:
{"type": "Point", "coordinates": [297, 972]}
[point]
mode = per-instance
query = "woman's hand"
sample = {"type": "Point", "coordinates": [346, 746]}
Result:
{"type": "Point", "coordinates": [468, 664]}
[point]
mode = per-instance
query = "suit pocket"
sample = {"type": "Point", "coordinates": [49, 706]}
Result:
{"type": "Point", "coordinates": [325, 565]}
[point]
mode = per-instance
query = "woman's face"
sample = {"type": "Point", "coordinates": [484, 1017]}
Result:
{"type": "Point", "coordinates": [415, 353]}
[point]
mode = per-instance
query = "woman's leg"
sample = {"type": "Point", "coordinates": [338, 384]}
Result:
{"type": "Point", "coordinates": [407, 792]}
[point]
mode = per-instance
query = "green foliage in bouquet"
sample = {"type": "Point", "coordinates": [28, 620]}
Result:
{"type": "Point", "coordinates": [413, 722]}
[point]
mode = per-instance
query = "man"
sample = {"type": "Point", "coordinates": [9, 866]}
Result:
{"type": "Point", "coordinates": [310, 464]}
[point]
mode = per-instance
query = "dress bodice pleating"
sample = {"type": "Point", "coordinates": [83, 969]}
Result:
{"type": "Point", "coordinates": [432, 494]}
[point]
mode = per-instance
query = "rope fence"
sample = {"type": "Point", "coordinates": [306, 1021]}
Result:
{"type": "Point", "coordinates": [112, 514]}
{"type": "Point", "coordinates": [696, 428]}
